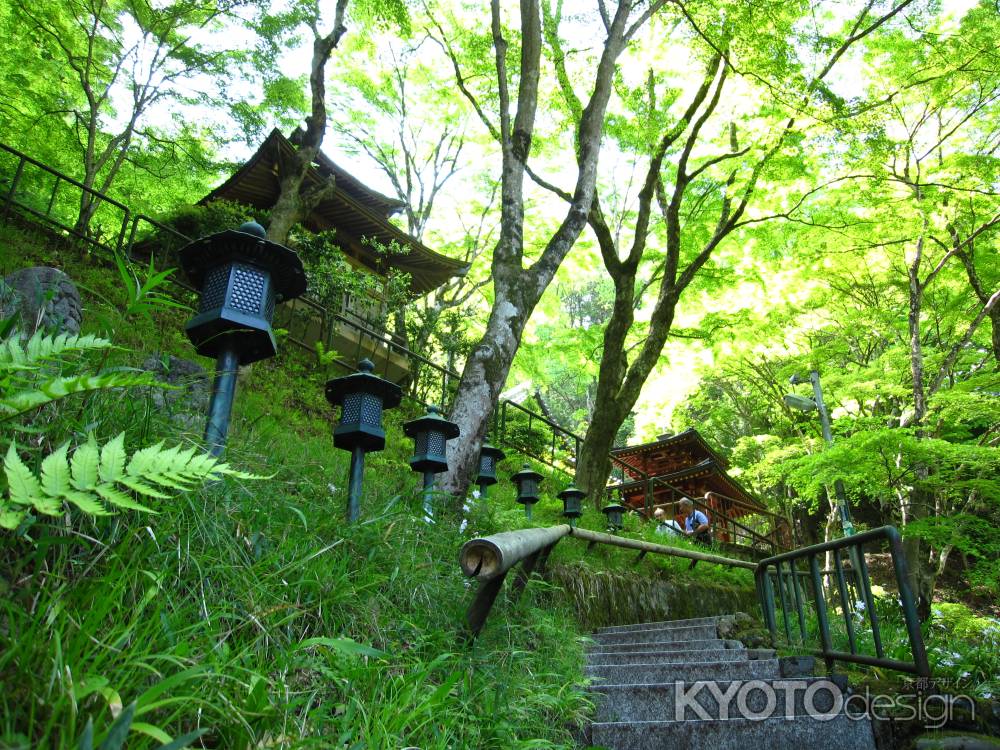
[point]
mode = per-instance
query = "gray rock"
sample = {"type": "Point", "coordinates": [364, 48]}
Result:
{"type": "Point", "coordinates": [42, 298]}
{"type": "Point", "coordinates": [187, 402]}
{"type": "Point", "coordinates": [797, 666]}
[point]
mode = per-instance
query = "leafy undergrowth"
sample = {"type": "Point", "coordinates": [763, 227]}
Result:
{"type": "Point", "coordinates": [247, 613]}
{"type": "Point", "coordinates": [963, 649]}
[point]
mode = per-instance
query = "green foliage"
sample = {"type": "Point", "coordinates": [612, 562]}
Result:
{"type": "Point", "coordinates": [144, 295]}
{"type": "Point", "coordinates": [27, 379]}
{"type": "Point", "coordinates": [203, 219]}
{"type": "Point", "coordinates": [93, 477]}
{"type": "Point", "coordinates": [250, 614]}
{"type": "Point", "coordinates": [96, 477]}
{"type": "Point", "coordinates": [333, 278]}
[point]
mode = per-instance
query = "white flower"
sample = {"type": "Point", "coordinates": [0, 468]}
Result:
{"type": "Point", "coordinates": [965, 674]}
{"type": "Point", "coordinates": [987, 695]}
{"type": "Point", "coordinates": [462, 526]}
{"type": "Point", "coordinates": [332, 487]}
{"type": "Point", "coordinates": [476, 494]}
{"type": "Point", "coordinates": [860, 606]}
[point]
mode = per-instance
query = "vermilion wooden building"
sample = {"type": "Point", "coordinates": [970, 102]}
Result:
{"type": "Point", "coordinates": [661, 473]}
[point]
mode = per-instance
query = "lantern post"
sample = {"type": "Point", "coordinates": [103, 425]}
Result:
{"type": "Point", "coordinates": [430, 434]}
{"type": "Point", "coordinates": [614, 513]}
{"type": "Point", "coordinates": [361, 397]}
{"type": "Point", "coordinates": [489, 457]}
{"type": "Point", "coordinates": [527, 481]}
{"type": "Point", "coordinates": [572, 498]}
{"type": "Point", "coordinates": [240, 276]}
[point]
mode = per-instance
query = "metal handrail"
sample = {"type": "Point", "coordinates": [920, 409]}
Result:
{"type": "Point", "coordinates": [11, 200]}
{"type": "Point", "coordinates": [489, 560]}
{"type": "Point", "coordinates": [786, 577]}
{"type": "Point", "coordinates": [568, 465]}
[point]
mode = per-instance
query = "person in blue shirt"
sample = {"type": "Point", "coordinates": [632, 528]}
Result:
{"type": "Point", "coordinates": [696, 524]}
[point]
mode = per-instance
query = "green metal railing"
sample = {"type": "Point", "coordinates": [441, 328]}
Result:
{"type": "Point", "coordinates": [38, 191]}
{"type": "Point", "coordinates": [797, 588]}
{"type": "Point", "coordinates": [537, 436]}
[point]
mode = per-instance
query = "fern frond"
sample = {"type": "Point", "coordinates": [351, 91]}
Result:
{"type": "Point", "coordinates": [113, 459]}
{"type": "Point", "coordinates": [84, 465]}
{"type": "Point", "coordinates": [55, 472]}
{"type": "Point", "coordinates": [23, 486]}
{"type": "Point", "coordinates": [42, 347]}
{"type": "Point", "coordinates": [96, 478]}
{"type": "Point", "coordinates": [116, 497]}
{"type": "Point", "coordinates": [57, 388]}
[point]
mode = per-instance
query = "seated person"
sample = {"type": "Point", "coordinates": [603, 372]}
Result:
{"type": "Point", "coordinates": [696, 524]}
{"type": "Point", "coordinates": [665, 525]}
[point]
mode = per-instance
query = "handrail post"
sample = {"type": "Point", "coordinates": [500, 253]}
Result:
{"type": "Point", "coordinates": [820, 599]}
{"type": "Point", "coordinates": [480, 608]}
{"type": "Point", "coordinates": [489, 559]}
{"type": "Point", "coordinates": [844, 605]}
{"type": "Point", "coordinates": [866, 591]}
{"type": "Point", "coordinates": [919, 652]}
{"type": "Point", "coordinates": [13, 186]}
{"type": "Point", "coordinates": [854, 546]}
{"type": "Point", "coordinates": [120, 240]}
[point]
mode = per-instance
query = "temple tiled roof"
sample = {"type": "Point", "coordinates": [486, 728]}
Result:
{"type": "Point", "coordinates": [354, 210]}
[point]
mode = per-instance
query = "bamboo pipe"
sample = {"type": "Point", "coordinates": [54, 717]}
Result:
{"type": "Point", "coordinates": [487, 557]}
{"type": "Point", "coordinates": [617, 541]}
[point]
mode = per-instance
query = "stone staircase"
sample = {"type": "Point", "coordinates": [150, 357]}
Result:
{"type": "Point", "coordinates": [679, 685]}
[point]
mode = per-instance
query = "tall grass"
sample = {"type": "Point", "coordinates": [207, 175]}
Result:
{"type": "Point", "coordinates": [248, 612]}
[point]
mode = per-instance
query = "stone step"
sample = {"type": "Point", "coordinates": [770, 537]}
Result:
{"type": "Point", "coordinates": [840, 733]}
{"type": "Point", "coordinates": [660, 635]}
{"type": "Point", "coordinates": [705, 700]}
{"type": "Point", "coordinates": [646, 674]}
{"type": "Point", "coordinates": [668, 656]}
{"type": "Point", "coordinates": [692, 647]}
{"type": "Point", "coordinates": [694, 621]}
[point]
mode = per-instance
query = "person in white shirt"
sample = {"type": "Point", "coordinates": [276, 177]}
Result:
{"type": "Point", "coordinates": [696, 524]}
{"type": "Point", "coordinates": [666, 525]}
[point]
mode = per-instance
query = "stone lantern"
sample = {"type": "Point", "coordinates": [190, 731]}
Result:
{"type": "Point", "coordinates": [240, 276]}
{"type": "Point", "coordinates": [361, 398]}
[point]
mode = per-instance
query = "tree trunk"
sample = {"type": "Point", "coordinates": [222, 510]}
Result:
{"type": "Point", "coordinates": [594, 464]}
{"type": "Point", "coordinates": [484, 376]}
{"type": "Point", "coordinates": [916, 550]}
{"type": "Point", "coordinates": [517, 289]}
{"type": "Point", "coordinates": [293, 203]}
{"type": "Point", "coordinates": [287, 211]}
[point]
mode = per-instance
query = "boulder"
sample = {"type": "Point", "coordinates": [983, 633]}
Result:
{"type": "Point", "coordinates": [187, 402]}
{"type": "Point", "coordinates": [41, 298]}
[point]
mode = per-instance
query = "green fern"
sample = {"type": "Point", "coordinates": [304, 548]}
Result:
{"type": "Point", "coordinates": [23, 388]}
{"type": "Point", "coordinates": [97, 479]}
{"type": "Point", "coordinates": [42, 347]}
{"type": "Point", "coordinates": [56, 388]}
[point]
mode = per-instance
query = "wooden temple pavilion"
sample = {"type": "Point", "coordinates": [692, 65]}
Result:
{"type": "Point", "coordinates": [661, 473]}
{"type": "Point", "coordinates": [356, 213]}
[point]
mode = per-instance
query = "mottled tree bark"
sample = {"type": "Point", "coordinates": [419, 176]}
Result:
{"type": "Point", "coordinates": [517, 288]}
